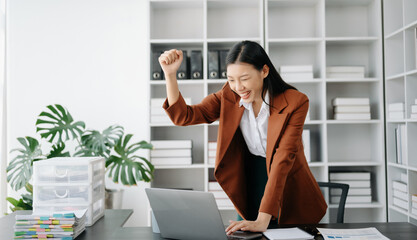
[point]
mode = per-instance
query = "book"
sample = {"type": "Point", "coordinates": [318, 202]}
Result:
{"type": "Point", "coordinates": [413, 108]}
{"type": "Point", "coordinates": [400, 203]}
{"type": "Point", "coordinates": [397, 141]}
{"type": "Point", "coordinates": [396, 107]}
{"type": "Point", "coordinates": [396, 115]}
{"type": "Point", "coordinates": [414, 198]}
{"type": "Point", "coordinates": [352, 191]}
{"type": "Point", "coordinates": [306, 143]}
{"type": "Point", "coordinates": [400, 194]}
{"type": "Point", "coordinates": [345, 69]}
{"type": "Point", "coordinates": [297, 76]}
{"type": "Point", "coordinates": [168, 144]}
{"type": "Point", "coordinates": [352, 109]}
{"type": "Point", "coordinates": [349, 176]}
{"type": "Point", "coordinates": [350, 101]}
{"type": "Point", "coordinates": [403, 144]}
{"type": "Point", "coordinates": [352, 199]}
{"type": "Point", "coordinates": [171, 153]}
{"type": "Point", "coordinates": [352, 116]}
{"type": "Point", "coordinates": [171, 160]}
{"type": "Point", "coordinates": [355, 183]}
{"type": "Point", "coordinates": [399, 186]}
{"type": "Point", "coordinates": [295, 68]}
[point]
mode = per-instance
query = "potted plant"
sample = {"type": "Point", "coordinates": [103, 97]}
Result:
{"type": "Point", "coordinates": [57, 127]}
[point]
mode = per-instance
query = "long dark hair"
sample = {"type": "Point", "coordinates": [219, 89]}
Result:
{"type": "Point", "coordinates": [253, 53]}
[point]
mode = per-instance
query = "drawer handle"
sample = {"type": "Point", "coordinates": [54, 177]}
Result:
{"type": "Point", "coordinates": [61, 175]}
{"type": "Point", "coordinates": [61, 196]}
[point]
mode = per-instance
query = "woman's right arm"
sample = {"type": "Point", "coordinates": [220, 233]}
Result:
{"type": "Point", "coordinates": [170, 61]}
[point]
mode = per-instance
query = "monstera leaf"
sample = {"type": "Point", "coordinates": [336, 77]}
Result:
{"type": "Point", "coordinates": [58, 125]}
{"type": "Point", "coordinates": [127, 167]}
{"type": "Point", "coordinates": [95, 143]}
{"type": "Point", "coordinates": [58, 151]}
{"type": "Point", "coordinates": [20, 168]}
{"type": "Point", "coordinates": [24, 203]}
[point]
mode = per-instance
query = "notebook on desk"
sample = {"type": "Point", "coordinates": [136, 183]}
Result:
{"type": "Point", "coordinates": [190, 215]}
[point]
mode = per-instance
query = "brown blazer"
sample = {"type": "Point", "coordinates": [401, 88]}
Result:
{"type": "Point", "coordinates": [291, 188]}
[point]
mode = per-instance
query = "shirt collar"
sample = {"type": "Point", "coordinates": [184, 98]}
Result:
{"type": "Point", "coordinates": [249, 105]}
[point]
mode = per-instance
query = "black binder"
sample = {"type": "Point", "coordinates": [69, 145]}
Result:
{"type": "Point", "coordinates": [182, 72]}
{"type": "Point", "coordinates": [196, 62]}
{"type": "Point", "coordinates": [156, 70]}
{"type": "Point", "coordinates": [223, 55]}
{"type": "Point", "coordinates": [213, 64]}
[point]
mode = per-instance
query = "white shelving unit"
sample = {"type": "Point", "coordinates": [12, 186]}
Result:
{"type": "Point", "coordinates": [303, 32]}
{"type": "Point", "coordinates": [400, 22]}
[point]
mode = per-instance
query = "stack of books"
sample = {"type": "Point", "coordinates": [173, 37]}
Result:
{"type": "Point", "coordinates": [400, 193]}
{"type": "Point", "coordinates": [413, 114]}
{"type": "Point", "coordinates": [46, 225]}
{"type": "Point", "coordinates": [212, 148]}
{"type": "Point", "coordinates": [359, 187]}
{"type": "Point", "coordinates": [351, 109]}
{"type": "Point", "coordinates": [345, 72]}
{"type": "Point", "coordinates": [396, 110]}
{"type": "Point", "coordinates": [171, 152]}
{"type": "Point", "coordinates": [414, 204]}
{"type": "Point", "coordinates": [222, 200]}
{"type": "Point", "coordinates": [306, 143]}
{"type": "Point", "coordinates": [296, 72]}
{"type": "Point", "coordinates": [158, 114]}
{"type": "Point", "coordinates": [400, 144]}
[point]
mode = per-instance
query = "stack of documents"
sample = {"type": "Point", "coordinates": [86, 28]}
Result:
{"type": "Point", "coordinates": [359, 187]}
{"type": "Point", "coordinates": [357, 233]}
{"type": "Point", "coordinates": [413, 114]}
{"type": "Point", "coordinates": [47, 225]}
{"type": "Point", "coordinates": [345, 72]}
{"type": "Point", "coordinates": [396, 110]}
{"type": "Point", "coordinates": [222, 200]}
{"type": "Point", "coordinates": [171, 152]}
{"type": "Point", "coordinates": [296, 72]}
{"type": "Point", "coordinates": [212, 148]}
{"type": "Point", "coordinates": [351, 109]}
{"type": "Point", "coordinates": [158, 114]}
{"type": "Point", "coordinates": [400, 192]}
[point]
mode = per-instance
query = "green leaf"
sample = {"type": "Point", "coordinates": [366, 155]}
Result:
{"type": "Point", "coordinates": [20, 168]}
{"type": "Point", "coordinates": [12, 201]}
{"type": "Point", "coordinates": [58, 125]}
{"type": "Point", "coordinates": [58, 151]}
{"type": "Point", "coordinates": [100, 143]}
{"type": "Point", "coordinates": [127, 167]}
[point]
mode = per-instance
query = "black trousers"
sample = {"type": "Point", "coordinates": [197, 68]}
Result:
{"type": "Point", "coordinates": [256, 181]}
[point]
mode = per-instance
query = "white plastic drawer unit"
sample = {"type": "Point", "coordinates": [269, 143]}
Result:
{"type": "Point", "coordinates": [74, 195]}
{"type": "Point", "coordinates": [68, 170]}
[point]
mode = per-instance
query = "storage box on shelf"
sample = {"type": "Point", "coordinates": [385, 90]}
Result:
{"type": "Point", "coordinates": [67, 184]}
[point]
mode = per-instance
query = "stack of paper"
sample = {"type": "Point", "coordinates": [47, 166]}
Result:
{"type": "Point", "coordinates": [359, 187]}
{"type": "Point", "coordinates": [356, 233]}
{"type": "Point", "coordinates": [413, 114]}
{"type": "Point", "coordinates": [396, 110]}
{"type": "Point", "coordinates": [306, 143]}
{"type": "Point", "coordinates": [287, 234]}
{"type": "Point", "coordinates": [158, 114]}
{"type": "Point", "coordinates": [351, 109]}
{"type": "Point", "coordinates": [212, 148]}
{"type": "Point", "coordinates": [345, 72]}
{"type": "Point", "coordinates": [171, 152]}
{"type": "Point", "coordinates": [296, 72]}
{"type": "Point", "coordinates": [400, 144]}
{"type": "Point", "coordinates": [221, 197]}
{"type": "Point", "coordinates": [400, 193]}
{"type": "Point", "coordinates": [43, 225]}
{"type": "Point", "coordinates": [414, 204]}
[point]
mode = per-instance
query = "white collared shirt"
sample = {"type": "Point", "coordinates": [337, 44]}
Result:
{"type": "Point", "coordinates": [255, 130]}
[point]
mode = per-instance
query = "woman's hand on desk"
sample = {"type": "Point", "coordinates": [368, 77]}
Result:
{"type": "Point", "coordinates": [170, 62]}
{"type": "Point", "coordinates": [260, 225]}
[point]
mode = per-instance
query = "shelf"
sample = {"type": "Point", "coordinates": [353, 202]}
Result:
{"type": "Point", "coordinates": [354, 163]}
{"type": "Point", "coordinates": [351, 39]}
{"type": "Point", "coordinates": [294, 40]}
{"type": "Point", "coordinates": [180, 82]}
{"type": "Point", "coordinates": [347, 80]}
{"type": "Point", "coordinates": [216, 81]}
{"type": "Point", "coordinates": [177, 41]}
{"type": "Point", "coordinates": [231, 40]}
{"type": "Point", "coordinates": [314, 80]}
{"type": "Point", "coordinates": [316, 164]}
{"type": "Point", "coordinates": [399, 76]}
{"type": "Point", "coordinates": [374, 121]}
{"type": "Point", "coordinates": [313, 122]}
{"type": "Point", "coordinates": [359, 205]}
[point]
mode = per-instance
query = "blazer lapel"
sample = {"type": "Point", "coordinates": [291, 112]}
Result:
{"type": "Point", "coordinates": [276, 122]}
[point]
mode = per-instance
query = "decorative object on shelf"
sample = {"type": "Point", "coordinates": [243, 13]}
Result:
{"type": "Point", "coordinates": [359, 186]}
{"type": "Point", "coordinates": [396, 111]}
{"type": "Point", "coordinates": [57, 126]}
{"type": "Point", "coordinates": [351, 109]}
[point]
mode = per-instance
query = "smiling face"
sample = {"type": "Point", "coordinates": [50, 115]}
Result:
{"type": "Point", "coordinates": [246, 81]}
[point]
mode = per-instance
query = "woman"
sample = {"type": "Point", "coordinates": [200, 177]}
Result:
{"type": "Point", "coordinates": [260, 161]}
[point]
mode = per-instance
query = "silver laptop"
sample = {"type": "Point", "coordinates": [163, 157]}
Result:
{"type": "Point", "coordinates": [182, 214]}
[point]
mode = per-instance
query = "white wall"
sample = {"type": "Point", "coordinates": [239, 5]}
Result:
{"type": "Point", "coordinates": [3, 129]}
{"type": "Point", "coordinates": [88, 55]}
